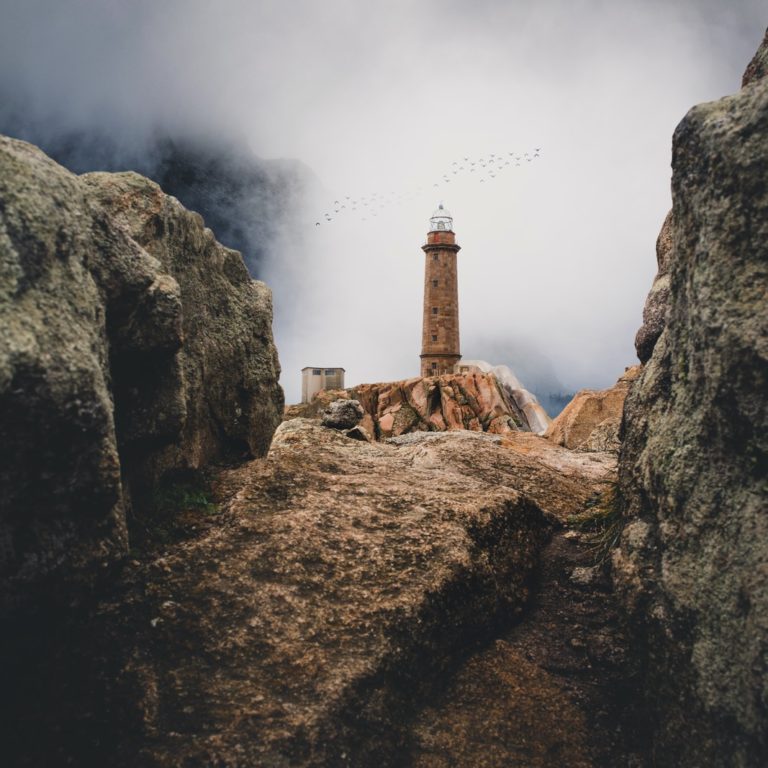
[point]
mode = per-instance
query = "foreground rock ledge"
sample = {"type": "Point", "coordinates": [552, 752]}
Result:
{"type": "Point", "coordinates": [303, 629]}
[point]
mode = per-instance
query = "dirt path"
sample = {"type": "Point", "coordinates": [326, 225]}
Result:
{"type": "Point", "coordinates": [555, 690]}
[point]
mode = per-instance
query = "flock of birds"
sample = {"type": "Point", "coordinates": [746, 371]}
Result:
{"type": "Point", "coordinates": [485, 169]}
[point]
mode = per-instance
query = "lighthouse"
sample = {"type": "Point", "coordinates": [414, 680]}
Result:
{"type": "Point", "coordinates": [440, 332]}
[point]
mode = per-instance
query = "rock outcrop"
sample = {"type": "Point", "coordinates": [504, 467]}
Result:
{"type": "Point", "coordinates": [341, 583]}
{"type": "Point", "coordinates": [655, 310]}
{"type": "Point", "coordinates": [757, 69]}
{"type": "Point", "coordinates": [474, 401]}
{"type": "Point", "coordinates": [590, 422]}
{"type": "Point", "coordinates": [536, 417]}
{"type": "Point", "coordinates": [131, 344]}
{"type": "Point", "coordinates": [342, 414]}
{"type": "Point", "coordinates": [693, 563]}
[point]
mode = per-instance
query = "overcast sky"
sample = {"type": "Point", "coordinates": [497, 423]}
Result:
{"type": "Point", "coordinates": [557, 255]}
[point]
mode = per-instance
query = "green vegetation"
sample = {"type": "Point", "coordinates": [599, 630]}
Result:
{"type": "Point", "coordinates": [602, 521]}
{"type": "Point", "coordinates": [188, 494]}
{"type": "Point", "coordinates": [179, 506]}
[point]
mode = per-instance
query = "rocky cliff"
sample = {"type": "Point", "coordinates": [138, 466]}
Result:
{"type": "Point", "coordinates": [693, 563]}
{"type": "Point", "coordinates": [590, 422]}
{"type": "Point", "coordinates": [473, 401]}
{"type": "Point", "coordinates": [131, 344]}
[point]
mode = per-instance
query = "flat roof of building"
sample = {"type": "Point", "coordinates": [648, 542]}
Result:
{"type": "Point", "coordinates": [325, 367]}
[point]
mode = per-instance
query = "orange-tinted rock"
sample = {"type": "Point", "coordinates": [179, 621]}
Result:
{"type": "Point", "coordinates": [473, 401]}
{"type": "Point", "coordinates": [591, 420]}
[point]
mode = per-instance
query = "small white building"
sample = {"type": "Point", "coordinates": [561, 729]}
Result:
{"type": "Point", "coordinates": [315, 379]}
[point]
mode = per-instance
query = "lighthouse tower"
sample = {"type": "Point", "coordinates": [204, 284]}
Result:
{"type": "Point", "coordinates": [440, 333]}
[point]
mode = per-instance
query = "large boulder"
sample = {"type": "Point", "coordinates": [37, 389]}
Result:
{"type": "Point", "coordinates": [692, 567]}
{"type": "Point", "coordinates": [343, 585]}
{"type": "Point", "coordinates": [226, 385]}
{"type": "Point", "coordinates": [590, 422]}
{"type": "Point", "coordinates": [342, 414]}
{"type": "Point", "coordinates": [61, 497]}
{"type": "Point", "coordinates": [536, 417]}
{"type": "Point", "coordinates": [131, 344]}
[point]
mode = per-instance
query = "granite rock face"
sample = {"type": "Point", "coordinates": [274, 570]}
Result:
{"type": "Point", "coordinates": [342, 580]}
{"type": "Point", "coordinates": [60, 487]}
{"type": "Point", "coordinates": [535, 416]}
{"type": "Point", "coordinates": [655, 310]}
{"type": "Point", "coordinates": [342, 414]}
{"type": "Point", "coordinates": [692, 566]}
{"type": "Point", "coordinates": [758, 67]}
{"type": "Point", "coordinates": [131, 344]}
{"type": "Point", "coordinates": [221, 381]}
{"type": "Point", "coordinates": [590, 422]}
{"type": "Point", "coordinates": [473, 401]}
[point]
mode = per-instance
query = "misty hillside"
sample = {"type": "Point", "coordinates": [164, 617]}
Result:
{"type": "Point", "coordinates": [248, 201]}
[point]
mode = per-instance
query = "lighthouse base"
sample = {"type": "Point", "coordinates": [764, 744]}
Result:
{"type": "Point", "coordinates": [436, 365]}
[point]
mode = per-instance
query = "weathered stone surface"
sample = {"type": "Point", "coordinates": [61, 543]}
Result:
{"type": "Point", "coordinates": [558, 480]}
{"type": "Point", "coordinates": [473, 401]}
{"type": "Point", "coordinates": [693, 561]}
{"type": "Point", "coordinates": [536, 417]}
{"type": "Point", "coordinates": [341, 583]}
{"type": "Point", "coordinates": [131, 343]}
{"type": "Point", "coordinates": [758, 67]}
{"type": "Point", "coordinates": [342, 414]}
{"type": "Point", "coordinates": [657, 301]}
{"type": "Point", "coordinates": [590, 422]}
{"type": "Point", "coordinates": [60, 491]}
{"type": "Point", "coordinates": [228, 362]}
{"type": "Point", "coordinates": [655, 310]}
